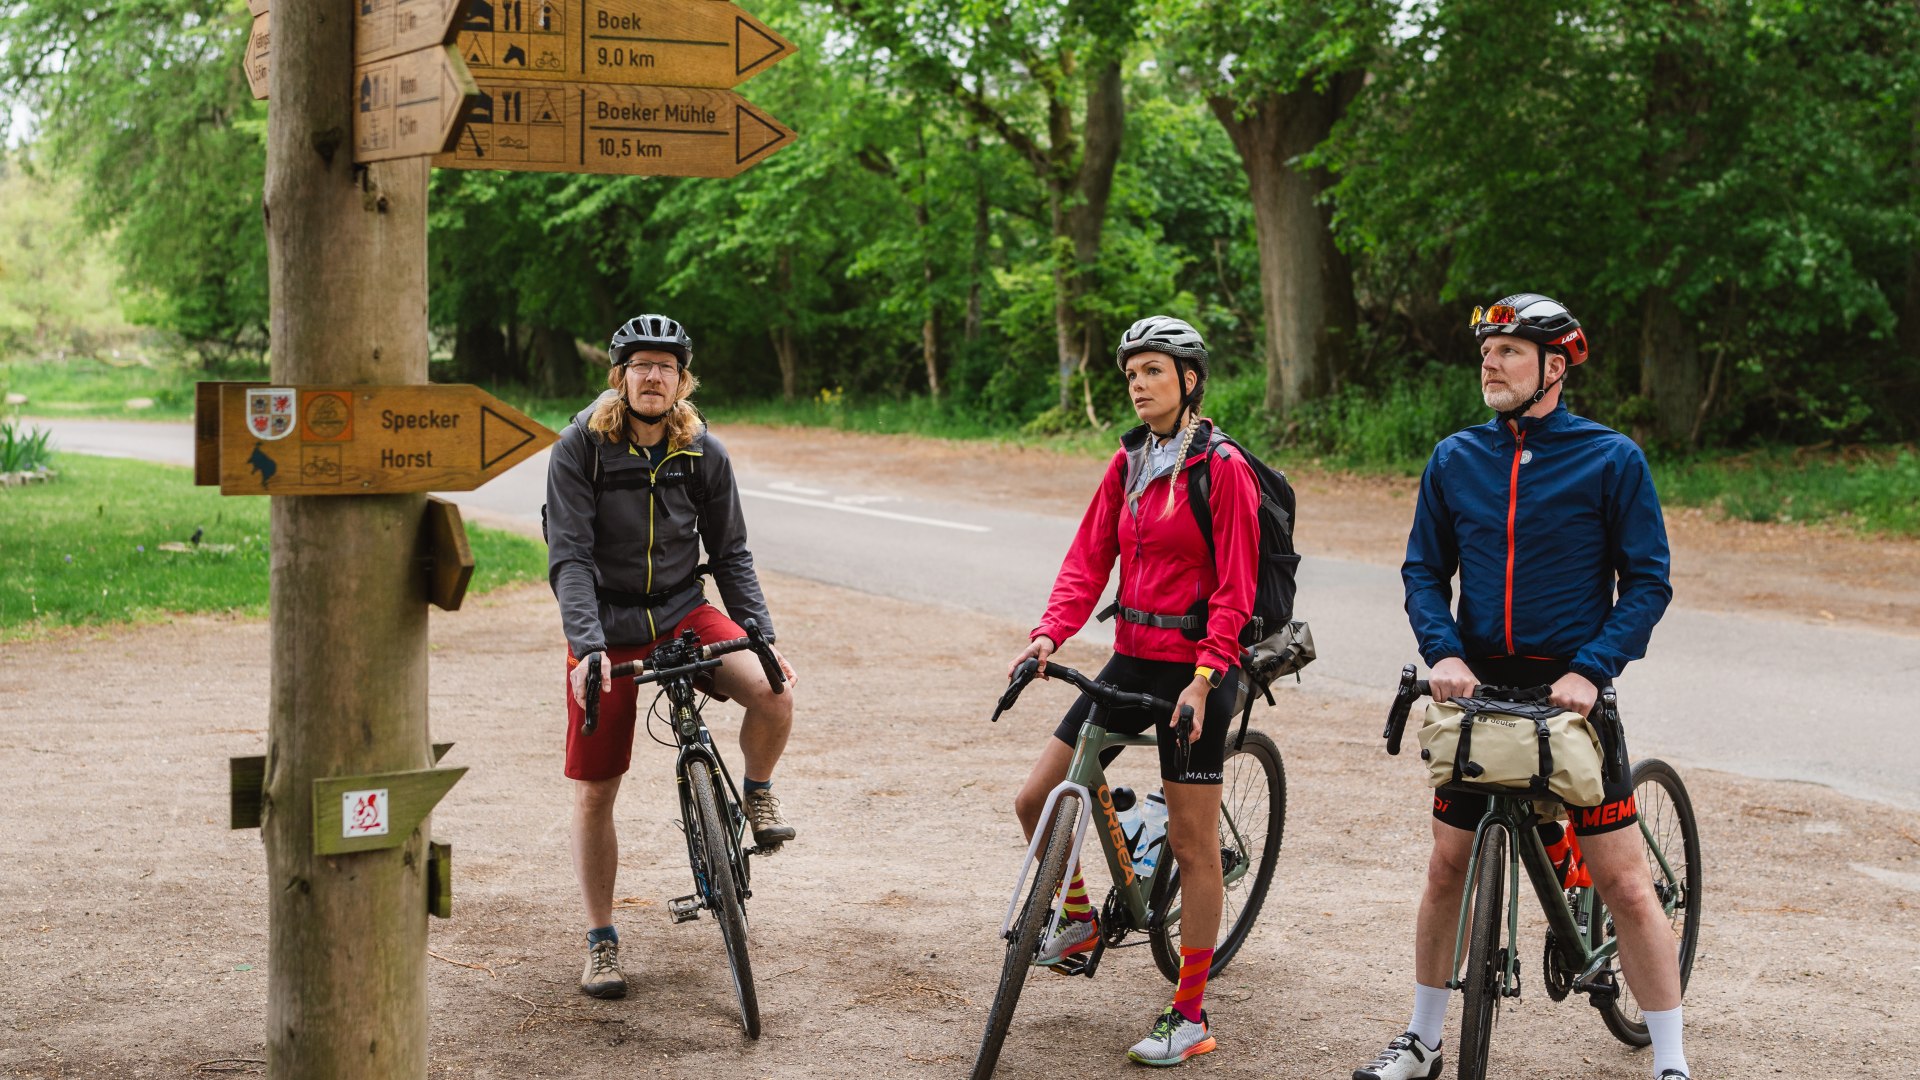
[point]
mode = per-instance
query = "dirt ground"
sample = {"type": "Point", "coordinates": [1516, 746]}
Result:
{"type": "Point", "coordinates": [133, 923]}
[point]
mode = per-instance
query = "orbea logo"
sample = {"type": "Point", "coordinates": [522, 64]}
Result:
{"type": "Point", "coordinates": [1117, 835]}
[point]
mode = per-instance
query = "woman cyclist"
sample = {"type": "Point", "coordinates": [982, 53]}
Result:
{"type": "Point", "coordinates": [1178, 640]}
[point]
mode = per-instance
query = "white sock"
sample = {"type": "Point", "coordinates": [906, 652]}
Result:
{"type": "Point", "coordinates": [1668, 1053]}
{"type": "Point", "coordinates": [1430, 1014]}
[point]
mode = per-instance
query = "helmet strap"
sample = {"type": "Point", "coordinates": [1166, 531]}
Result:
{"type": "Point", "coordinates": [1514, 415]}
{"type": "Point", "coordinates": [643, 417]}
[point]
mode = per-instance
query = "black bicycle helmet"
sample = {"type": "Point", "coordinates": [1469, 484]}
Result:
{"type": "Point", "coordinates": [650, 332]}
{"type": "Point", "coordinates": [1540, 319]}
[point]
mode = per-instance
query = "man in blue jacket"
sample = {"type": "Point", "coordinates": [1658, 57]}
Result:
{"type": "Point", "coordinates": [1543, 514]}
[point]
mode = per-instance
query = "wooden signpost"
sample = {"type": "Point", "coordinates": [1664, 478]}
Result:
{"type": "Point", "coordinates": [631, 130]}
{"type": "Point", "coordinates": [366, 440]}
{"type": "Point", "coordinates": [410, 105]}
{"type": "Point", "coordinates": [383, 28]}
{"type": "Point", "coordinates": [259, 57]}
{"type": "Point", "coordinates": [709, 43]}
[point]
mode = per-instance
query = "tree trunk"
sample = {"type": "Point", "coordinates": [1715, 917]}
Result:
{"type": "Point", "coordinates": [929, 326]}
{"type": "Point", "coordinates": [1306, 282]}
{"type": "Point", "coordinates": [1079, 214]}
{"type": "Point", "coordinates": [982, 236]}
{"type": "Point", "coordinates": [1910, 305]}
{"type": "Point", "coordinates": [1670, 371]}
{"type": "Point", "coordinates": [347, 935]}
{"type": "Point", "coordinates": [555, 362]}
{"type": "Point", "coordinates": [785, 349]}
{"type": "Point", "coordinates": [480, 354]}
{"type": "Point", "coordinates": [1678, 97]}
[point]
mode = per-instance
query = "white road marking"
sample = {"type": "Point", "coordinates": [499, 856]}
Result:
{"type": "Point", "coordinates": [911, 519]}
{"type": "Point", "coordinates": [1890, 877]}
{"type": "Point", "coordinates": [796, 489]}
{"type": "Point", "coordinates": [864, 500]}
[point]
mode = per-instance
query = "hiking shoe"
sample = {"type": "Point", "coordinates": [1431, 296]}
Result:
{"type": "Point", "coordinates": [602, 978]}
{"type": "Point", "coordinates": [1674, 1074]}
{"type": "Point", "coordinates": [1173, 1040]}
{"type": "Point", "coordinates": [1405, 1058]}
{"type": "Point", "coordinates": [770, 830]}
{"type": "Point", "coordinates": [1077, 936]}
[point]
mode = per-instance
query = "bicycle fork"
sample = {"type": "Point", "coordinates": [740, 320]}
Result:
{"type": "Point", "coordinates": [1510, 954]}
{"type": "Point", "coordinates": [1032, 859]}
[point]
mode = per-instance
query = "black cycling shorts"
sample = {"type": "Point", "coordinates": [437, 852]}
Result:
{"type": "Point", "coordinates": [1207, 749]}
{"type": "Point", "coordinates": [1617, 808]}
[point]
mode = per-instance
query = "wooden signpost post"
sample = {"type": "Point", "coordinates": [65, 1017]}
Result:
{"type": "Point", "coordinates": [348, 437]}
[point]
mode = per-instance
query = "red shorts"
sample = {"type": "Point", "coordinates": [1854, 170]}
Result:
{"type": "Point", "coordinates": [607, 752]}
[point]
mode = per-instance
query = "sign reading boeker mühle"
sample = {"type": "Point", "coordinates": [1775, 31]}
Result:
{"type": "Point", "coordinates": [368, 440]}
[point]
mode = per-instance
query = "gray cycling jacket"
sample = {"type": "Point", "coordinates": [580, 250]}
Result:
{"type": "Point", "coordinates": [638, 531]}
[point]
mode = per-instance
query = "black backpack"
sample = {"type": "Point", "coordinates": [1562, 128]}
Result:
{"type": "Point", "coordinates": [1279, 563]}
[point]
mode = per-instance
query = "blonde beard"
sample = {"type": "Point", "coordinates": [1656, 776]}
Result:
{"type": "Point", "coordinates": [1502, 401]}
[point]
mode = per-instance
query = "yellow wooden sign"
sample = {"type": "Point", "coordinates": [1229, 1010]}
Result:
{"type": "Point", "coordinates": [709, 43]}
{"type": "Point", "coordinates": [409, 105]}
{"type": "Point", "coordinates": [368, 440]}
{"type": "Point", "coordinates": [383, 28]}
{"type": "Point", "coordinates": [257, 61]}
{"type": "Point", "coordinates": [632, 130]}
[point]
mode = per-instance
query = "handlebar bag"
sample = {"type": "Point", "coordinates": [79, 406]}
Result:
{"type": "Point", "coordinates": [1508, 748]}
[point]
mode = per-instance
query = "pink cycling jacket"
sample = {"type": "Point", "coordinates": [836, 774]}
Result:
{"type": "Point", "coordinates": [1164, 564]}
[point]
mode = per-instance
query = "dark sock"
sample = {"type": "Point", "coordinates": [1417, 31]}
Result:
{"type": "Point", "coordinates": [602, 933]}
{"type": "Point", "coordinates": [752, 786]}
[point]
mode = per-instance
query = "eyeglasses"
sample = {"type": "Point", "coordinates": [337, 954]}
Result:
{"type": "Point", "coordinates": [653, 368]}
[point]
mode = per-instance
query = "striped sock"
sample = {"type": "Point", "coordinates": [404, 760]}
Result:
{"type": "Point", "coordinates": [1193, 981]}
{"type": "Point", "coordinates": [1078, 908]}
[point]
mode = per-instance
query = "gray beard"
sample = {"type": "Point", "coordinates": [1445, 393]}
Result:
{"type": "Point", "coordinates": [1505, 400]}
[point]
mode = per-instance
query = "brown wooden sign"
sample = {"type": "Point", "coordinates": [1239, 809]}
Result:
{"type": "Point", "coordinates": [256, 8]}
{"type": "Point", "coordinates": [383, 28]}
{"type": "Point", "coordinates": [632, 130]}
{"type": "Point", "coordinates": [710, 43]}
{"type": "Point", "coordinates": [368, 440]}
{"type": "Point", "coordinates": [257, 61]}
{"type": "Point", "coordinates": [409, 105]}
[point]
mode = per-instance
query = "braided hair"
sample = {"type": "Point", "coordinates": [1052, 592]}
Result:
{"type": "Point", "coordinates": [1190, 405]}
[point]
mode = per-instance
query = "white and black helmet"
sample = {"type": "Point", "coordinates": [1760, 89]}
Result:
{"type": "Point", "coordinates": [650, 332]}
{"type": "Point", "coordinates": [1163, 333]}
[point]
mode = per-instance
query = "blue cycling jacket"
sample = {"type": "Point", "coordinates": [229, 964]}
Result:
{"type": "Point", "coordinates": [1540, 520]}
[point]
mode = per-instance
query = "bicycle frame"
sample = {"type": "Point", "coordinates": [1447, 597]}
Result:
{"type": "Point", "coordinates": [1564, 920]}
{"type": "Point", "coordinates": [1087, 779]}
{"type": "Point", "coordinates": [696, 750]}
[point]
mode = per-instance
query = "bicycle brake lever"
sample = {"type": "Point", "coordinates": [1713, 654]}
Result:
{"type": "Point", "coordinates": [590, 715]}
{"type": "Point", "coordinates": [1022, 675]}
{"type": "Point", "coordinates": [764, 650]}
{"type": "Point", "coordinates": [1402, 707]}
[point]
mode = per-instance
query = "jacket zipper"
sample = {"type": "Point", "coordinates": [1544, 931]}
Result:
{"type": "Point", "coordinates": [653, 498]}
{"type": "Point", "coordinates": [1513, 506]}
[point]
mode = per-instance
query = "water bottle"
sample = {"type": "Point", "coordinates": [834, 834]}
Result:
{"type": "Point", "coordinates": [1127, 810]}
{"type": "Point", "coordinates": [1153, 828]}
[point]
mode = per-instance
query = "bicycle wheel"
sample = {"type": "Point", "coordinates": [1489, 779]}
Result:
{"type": "Point", "coordinates": [1028, 923]}
{"type": "Point", "coordinates": [1485, 955]}
{"type": "Point", "coordinates": [1253, 815]}
{"type": "Point", "coordinates": [1666, 822]}
{"type": "Point", "coordinates": [722, 891]}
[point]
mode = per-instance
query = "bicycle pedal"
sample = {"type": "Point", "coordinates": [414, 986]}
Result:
{"type": "Point", "coordinates": [684, 908]}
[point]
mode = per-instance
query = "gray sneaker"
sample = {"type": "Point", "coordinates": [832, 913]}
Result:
{"type": "Point", "coordinates": [602, 978]}
{"type": "Point", "coordinates": [770, 830]}
{"type": "Point", "coordinates": [1174, 1039]}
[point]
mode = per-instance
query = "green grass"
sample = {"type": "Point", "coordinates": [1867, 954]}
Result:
{"type": "Point", "coordinates": [1876, 491]}
{"type": "Point", "coordinates": [102, 387]}
{"type": "Point", "coordinates": [84, 550]}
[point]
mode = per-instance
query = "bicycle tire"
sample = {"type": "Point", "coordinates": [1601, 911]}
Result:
{"type": "Point", "coordinates": [1658, 791]}
{"type": "Point", "coordinates": [1027, 926]}
{"type": "Point", "coordinates": [724, 894]}
{"type": "Point", "coordinates": [1483, 975]}
{"type": "Point", "coordinates": [1165, 935]}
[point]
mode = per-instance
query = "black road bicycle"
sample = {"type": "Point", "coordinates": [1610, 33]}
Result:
{"type": "Point", "coordinates": [715, 823]}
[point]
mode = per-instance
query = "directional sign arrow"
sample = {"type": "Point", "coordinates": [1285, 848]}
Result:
{"type": "Point", "coordinates": [257, 62]}
{"type": "Point", "coordinates": [409, 105]}
{"type": "Point", "coordinates": [384, 28]}
{"type": "Point", "coordinates": [710, 43]}
{"type": "Point", "coordinates": [368, 440]}
{"type": "Point", "coordinates": [632, 130]}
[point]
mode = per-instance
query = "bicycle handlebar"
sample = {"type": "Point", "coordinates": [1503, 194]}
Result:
{"type": "Point", "coordinates": [1106, 694]}
{"type": "Point", "coordinates": [682, 660]}
{"type": "Point", "coordinates": [1606, 714]}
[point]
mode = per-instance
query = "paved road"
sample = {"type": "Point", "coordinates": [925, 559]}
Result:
{"type": "Point", "coordinates": [1757, 695]}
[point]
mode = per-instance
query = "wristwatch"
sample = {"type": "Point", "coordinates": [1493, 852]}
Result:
{"type": "Point", "coordinates": [1213, 677]}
